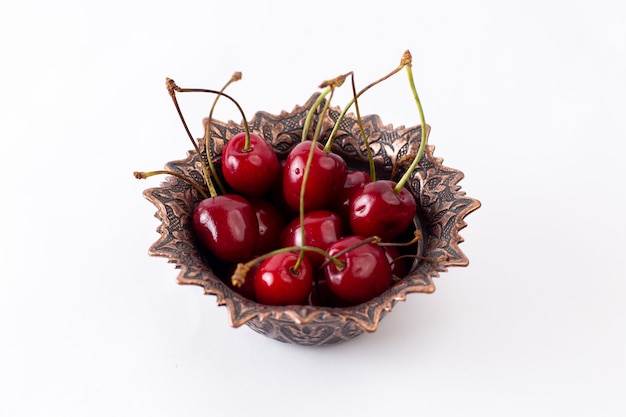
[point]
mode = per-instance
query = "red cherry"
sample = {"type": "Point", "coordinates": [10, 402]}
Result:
{"type": "Point", "coordinates": [227, 226]}
{"type": "Point", "coordinates": [327, 175]}
{"type": "Point", "coordinates": [378, 210]}
{"type": "Point", "coordinates": [321, 228]}
{"type": "Point", "coordinates": [247, 289]}
{"type": "Point", "coordinates": [250, 171]}
{"type": "Point", "coordinates": [354, 181]}
{"type": "Point", "coordinates": [271, 225]}
{"type": "Point", "coordinates": [277, 283]}
{"type": "Point", "coordinates": [366, 272]}
{"type": "Point", "coordinates": [322, 296]}
{"type": "Point", "coordinates": [399, 267]}
{"type": "Point", "coordinates": [278, 197]}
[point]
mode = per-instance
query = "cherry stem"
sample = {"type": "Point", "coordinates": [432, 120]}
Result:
{"type": "Point", "coordinates": [305, 174]}
{"type": "Point", "coordinates": [318, 127]}
{"type": "Point", "coordinates": [370, 158]}
{"type": "Point", "coordinates": [311, 112]}
{"type": "Point", "coordinates": [143, 175]}
{"type": "Point", "coordinates": [406, 60]}
{"type": "Point", "coordinates": [438, 259]}
{"type": "Point", "coordinates": [204, 90]}
{"type": "Point", "coordinates": [171, 86]}
{"type": "Point", "coordinates": [371, 239]}
{"type": "Point", "coordinates": [417, 235]}
{"type": "Point", "coordinates": [239, 276]}
{"type": "Point", "coordinates": [207, 133]}
{"type": "Point", "coordinates": [329, 86]}
{"type": "Point", "coordinates": [423, 135]}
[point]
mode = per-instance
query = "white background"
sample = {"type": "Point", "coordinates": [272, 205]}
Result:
{"type": "Point", "coordinates": [525, 97]}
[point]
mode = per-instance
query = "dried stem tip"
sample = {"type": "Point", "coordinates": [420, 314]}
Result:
{"type": "Point", "coordinates": [239, 276]}
{"type": "Point", "coordinates": [406, 59]}
{"type": "Point", "coordinates": [171, 86]}
{"type": "Point", "coordinates": [335, 82]}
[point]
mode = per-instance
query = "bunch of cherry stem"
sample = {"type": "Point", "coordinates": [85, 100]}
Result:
{"type": "Point", "coordinates": [242, 269]}
{"type": "Point", "coordinates": [330, 86]}
{"type": "Point", "coordinates": [238, 277]}
{"type": "Point", "coordinates": [209, 171]}
{"type": "Point", "coordinates": [329, 89]}
{"type": "Point", "coordinates": [208, 168]}
{"type": "Point", "coordinates": [207, 134]}
{"type": "Point", "coordinates": [405, 62]}
{"type": "Point", "coordinates": [172, 88]}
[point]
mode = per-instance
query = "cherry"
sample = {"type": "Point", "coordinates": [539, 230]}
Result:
{"type": "Point", "coordinates": [365, 273]}
{"type": "Point", "coordinates": [327, 174]}
{"type": "Point", "coordinates": [277, 197]}
{"type": "Point", "coordinates": [224, 224]}
{"type": "Point", "coordinates": [308, 159]}
{"type": "Point", "coordinates": [378, 210]}
{"type": "Point", "coordinates": [247, 288]}
{"type": "Point", "coordinates": [278, 282]}
{"type": "Point", "coordinates": [321, 228]}
{"type": "Point", "coordinates": [385, 208]}
{"type": "Point", "coordinates": [271, 224]}
{"type": "Point", "coordinates": [249, 164]}
{"type": "Point", "coordinates": [354, 181]}
{"type": "Point", "coordinates": [227, 226]}
{"type": "Point", "coordinates": [321, 295]}
{"type": "Point", "coordinates": [399, 267]}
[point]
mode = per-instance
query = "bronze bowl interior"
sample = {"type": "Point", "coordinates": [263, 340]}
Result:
{"type": "Point", "coordinates": [442, 207]}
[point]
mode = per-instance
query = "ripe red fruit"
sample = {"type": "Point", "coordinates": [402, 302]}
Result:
{"type": "Point", "coordinates": [277, 197]}
{"type": "Point", "coordinates": [327, 175]}
{"type": "Point", "coordinates": [277, 283]}
{"type": "Point", "coordinates": [322, 296]}
{"type": "Point", "coordinates": [366, 272]}
{"type": "Point", "coordinates": [245, 290]}
{"type": "Point", "coordinates": [378, 210]}
{"type": "Point", "coordinates": [321, 228]}
{"type": "Point", "coordinates": [399, 266]}
{"type": "Point", "coordinates": [227, 226]}
{"type": "Point", "coordinates": [271, 225]}
{"type": "Point", "coordinates": [251, 171]}
{"type": "Point", "coordinates": [354, 181]}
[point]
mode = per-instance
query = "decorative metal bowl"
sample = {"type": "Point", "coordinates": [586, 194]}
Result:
{"type": "Point", "coordinates": [442, 207]}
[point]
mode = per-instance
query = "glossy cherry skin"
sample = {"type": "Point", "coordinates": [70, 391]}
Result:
{"type": "Point", "coordinates": [252, 172]}
{"type": "Point", "coordinates": [247, 289]}
{"type": "Point", "coordinates": [327, 175]}
{"type": "Point", "coordinates": [366, 272]}
{"type": "Point", "coordinates": [227, 226]}
{"type": "Point", "coordinates": [277, 197]}
{"type": "Point", "coordinates": [322, 296]}
{"type": "Point", "coordinates": [271, 224]}
{"type": "Point", "coordinates": [354, 181]}
{"type": "Point", "coordinates": [377, 210]}
{"type": "Point", "coordinates": [399, 266]}
{"type": "Point", "coordinates": [276, 282]}
{"type": "Point", "coordinates": [321, 228]}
